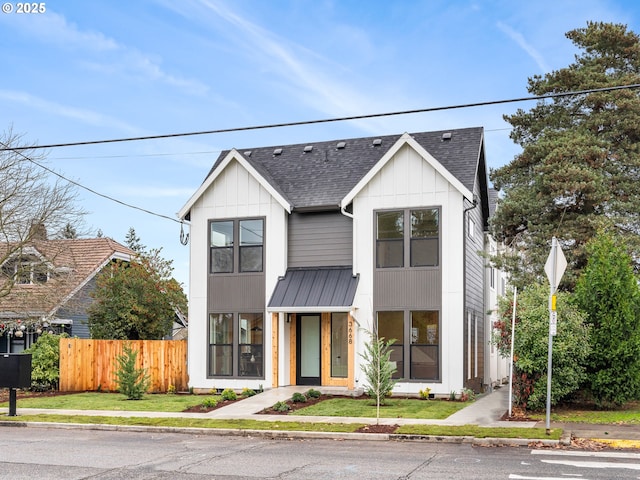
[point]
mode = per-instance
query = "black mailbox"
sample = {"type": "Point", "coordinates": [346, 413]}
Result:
{"type": "Point", "coordinates": [15, 370]}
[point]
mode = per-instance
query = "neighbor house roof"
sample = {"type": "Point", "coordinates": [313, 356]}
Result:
{"type": "Point", "coordinates": [317, 175]}
{"type": "Point", "coordinates": [74, 263]}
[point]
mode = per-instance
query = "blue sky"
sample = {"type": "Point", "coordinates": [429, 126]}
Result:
{"type": "Point", "coordinates": [101, 69]}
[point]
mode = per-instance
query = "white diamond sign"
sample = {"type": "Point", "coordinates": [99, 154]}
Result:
{"type": "Point", "coordinates": [555, 266]}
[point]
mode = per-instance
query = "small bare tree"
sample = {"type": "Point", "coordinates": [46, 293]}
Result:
{"type": "Point", "coordinates": [32, 203]}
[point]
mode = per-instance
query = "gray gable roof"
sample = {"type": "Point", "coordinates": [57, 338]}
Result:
{"type": "Point", "coordinates": [321, 176]}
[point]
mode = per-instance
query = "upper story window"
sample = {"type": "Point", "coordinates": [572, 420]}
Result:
{"type": "Point", "coordinates": [26, 272]}
{"type": "Point", "coordinates": [408, 237]}
{"type": "Point", "coordinates": [237, 246]}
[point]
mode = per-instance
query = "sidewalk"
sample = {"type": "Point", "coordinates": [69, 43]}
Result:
{"type": "Point", "coordinates": [486, 411]}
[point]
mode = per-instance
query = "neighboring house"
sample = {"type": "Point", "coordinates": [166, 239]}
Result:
{"type": "Point", "coordinates": [497, 367]}
{"type": "Point", "coordinates": [298, 250]}
{"type": "Point", "coordinates": [53, 279]}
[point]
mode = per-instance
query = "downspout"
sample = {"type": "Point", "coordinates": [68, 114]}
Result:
{"type": "Point", "coordinates": [465, 225]}
{"type": "Point", "coordinates": [344, 212]}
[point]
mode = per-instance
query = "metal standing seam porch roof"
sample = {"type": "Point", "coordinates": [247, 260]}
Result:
{"type": "Point", "coordinates": [322, 289]}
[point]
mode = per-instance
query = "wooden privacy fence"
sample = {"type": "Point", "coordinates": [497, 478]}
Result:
{"type": "Point", "coordinates": [89, 365]}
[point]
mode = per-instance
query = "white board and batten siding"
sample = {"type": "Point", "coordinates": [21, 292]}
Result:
{"type": "Point", "coordinates": [407, 181]}
{"type": "Point", "coordinates": [235, 193]}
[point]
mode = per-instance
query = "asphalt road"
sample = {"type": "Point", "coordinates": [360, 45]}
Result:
{"type": "Point", "coordinates": [49, 453]}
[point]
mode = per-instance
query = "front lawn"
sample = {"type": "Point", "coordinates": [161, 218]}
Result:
{"type": "Point", "coordinates": [393, 408]}
{"type": "Point", "coordinates": [627, 414]}
{"type": "Point", "coordinates": [112, 401]}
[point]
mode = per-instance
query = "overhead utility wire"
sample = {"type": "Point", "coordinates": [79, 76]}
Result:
{"type": "Point", "coordinates": [330, 120]}
{"type": "Point", "coordinates": [29, 159]}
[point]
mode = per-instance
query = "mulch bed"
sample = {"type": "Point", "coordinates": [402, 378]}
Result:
{"type": "Point", "coordinates": [202, 409]}
{"type": "Point", "coordinates": [378, 429]}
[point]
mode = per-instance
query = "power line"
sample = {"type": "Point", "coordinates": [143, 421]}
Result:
{"type": "Point", "coordinates": [18, 150]}
{"type": "Point", "coordinates": [331, 120]}
{"type": "Point", "coordinates": [79, 185]}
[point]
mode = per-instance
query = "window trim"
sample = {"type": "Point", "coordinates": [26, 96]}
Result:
{"type": "Point", "coordinates": [235, 247]}
{"type": "Point", "coordinates": [405, 342]}
{"type": "Point", "coordinates": [236, 345]}
{"type": "Point", "coordinates": [407, 240]}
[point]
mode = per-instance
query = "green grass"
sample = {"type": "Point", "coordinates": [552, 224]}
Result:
{"type": "Point", "coordinates": [113, 401]}
{"type": "Point", "coordinates": [480, 432]}
{"type": "Point", "coordinates": [432, 430]}
{"type": "Point", "coordinates": [393, 408]}
{"type": "Point", "coordinates": [628, 414]}
{"type": "Point", "coordinates": [190, 423]}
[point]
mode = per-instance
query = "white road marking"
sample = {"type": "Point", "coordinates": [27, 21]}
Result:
{"type": "Point", "coordinates": [574, 463]}
{"type": "Point", "coordinates": [513, 476]}
{"type": "Point", "coordinates": [564, 453]}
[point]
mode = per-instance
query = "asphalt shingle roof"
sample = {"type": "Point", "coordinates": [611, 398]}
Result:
{"type": "Point", "coordinates": [323, 176]}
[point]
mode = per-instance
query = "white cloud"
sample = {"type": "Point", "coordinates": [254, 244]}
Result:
{"type": "Point", "coordinates": [82, 115]}
{"type": "Point", "coordinates": [305, 73]}
{"type": "Point", "coordinates": [54, 29]}
{"type": "Point", "coordinates": [527, 47]}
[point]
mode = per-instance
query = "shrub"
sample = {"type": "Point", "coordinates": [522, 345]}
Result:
{"type": "Point", "coordinates": [45, 361]}
{"type": "Point", "coordinates": [281, 406]}
{"type": "Point", "coordinates": [132, 382]}
{"type": "Point", "coordinates": [424, 394]}
{"type": "Point", "coordinates": [248, 392]}
{"type": "Point", "coordinates": [452, 396]}
{"type": "Point", "coordinates": [228, 394]}
{"type": "Point", "coordinates": [466, 394]}
{"type": "Point", "coordinates": [298, 398]}
{"type": "Point", "coordinates": [608, 292]}
{"type": "Point", "coordinates": [210, 403]}
{"type": "Point", "coordinates": [312, 393]}
{"type": "Point", "coordinates": [531, 346]}
{"type": "Point", "coordinates": [171, 390]}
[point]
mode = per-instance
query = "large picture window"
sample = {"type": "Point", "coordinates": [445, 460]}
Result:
{"type": "Point", "coordinates": [420, 330]}
{"type": "Point", "coordinates": [236, 345]}
{"type": "Point", "coordinates": [237, 246]}
{"type": "Point", "coordinates": [408, 237]}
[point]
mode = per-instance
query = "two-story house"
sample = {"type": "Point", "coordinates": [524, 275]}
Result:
{"type": "Point", "coordinates": [297, 251]}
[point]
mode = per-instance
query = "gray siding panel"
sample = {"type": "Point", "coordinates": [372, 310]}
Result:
{"type": "Point", "coordinates": [320, 240]}
{"type": "Point", "coordinates": [409, 288]}
{"type": "Point", "coordinates": [474, 291]}
{"type": "Point", "coordinates": [234, 293]}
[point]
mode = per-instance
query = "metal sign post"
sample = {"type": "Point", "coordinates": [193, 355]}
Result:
{"type": "Point", "coordinates": [554, 268]}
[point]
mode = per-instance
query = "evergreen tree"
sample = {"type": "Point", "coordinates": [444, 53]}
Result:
{"type": "Point", "coordinates": [378, 369]}
{"type": "Point", "coordinates": [580, 162]}
{"type": "Point", "coordinates": [133, 241]}
{"type": "Point", "coordinates": [69, 232]}
{"type": "Point", "coordinates": [131, 380]}
{"type": "Point", "coordinates": [608, 291]}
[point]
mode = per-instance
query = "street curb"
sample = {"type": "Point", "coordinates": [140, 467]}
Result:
{"type": "Point", "coordinates": [291, 434]}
